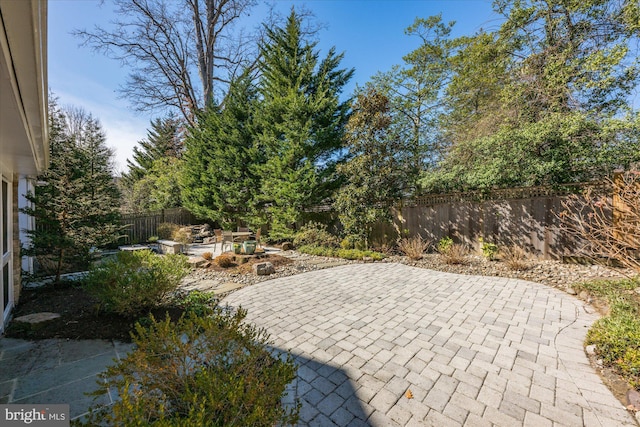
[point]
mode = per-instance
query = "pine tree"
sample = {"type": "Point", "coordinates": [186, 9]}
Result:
{"type": "Point", "coordinates": [76, 207]}
{"type": "Point", "coordinates": [220, 178]}
{"type": "Point", "coordinates": [302, 123]}
{"type": "Point", "coordinates": [164, 139]}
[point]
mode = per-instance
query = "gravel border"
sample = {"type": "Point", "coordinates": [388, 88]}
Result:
{"type": "Point", "coordinates": [552, 273]}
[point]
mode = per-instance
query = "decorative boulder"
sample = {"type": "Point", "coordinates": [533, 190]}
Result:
{"type": "Point", "coordinates": [287, 246]}
{"type": "Point", "coordinates": [263, 268]}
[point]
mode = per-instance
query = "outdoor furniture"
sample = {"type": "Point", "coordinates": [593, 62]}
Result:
{"type": "Point", "coordinates": [243, 229]}
{"type": "Point", "coordinates": [257, 238]}
{"type": "Point", "coordinates": [240, 236]}
{"type": "Point", "coordinates": [227, 239]}
{"type": "Point", "coordinates": [169, 247]}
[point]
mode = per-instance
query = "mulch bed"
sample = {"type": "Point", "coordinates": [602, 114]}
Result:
{"type": "Point", "coordinates": [79, 315]}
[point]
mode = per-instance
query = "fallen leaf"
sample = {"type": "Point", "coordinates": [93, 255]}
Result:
{"type": "Point", "coordinates": [408, 394]}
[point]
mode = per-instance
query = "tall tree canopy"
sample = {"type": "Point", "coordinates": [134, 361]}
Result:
{"type": "Point", "coordinates": [220, 179]}
{"type": "Point", "coordinates": [544, 92]}
{"type": "Point", "coordinates": [301, 120]}
{"type": "Point", "coordinates": [182, 53]}
{"type": "Point", "coordinates": [374, 174]}
{"type": "Point", "coordinates": [164, 140]}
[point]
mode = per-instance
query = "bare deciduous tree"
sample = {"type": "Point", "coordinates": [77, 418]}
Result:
{"type": "Point", "coordinates": [608, 222]}
{"type": "Point", "coordinates": [182, 54]}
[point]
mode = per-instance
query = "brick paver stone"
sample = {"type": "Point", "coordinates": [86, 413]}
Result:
{"type": "Point", "coordinates": [475, 350]}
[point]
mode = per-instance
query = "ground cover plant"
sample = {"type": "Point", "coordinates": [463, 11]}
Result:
{"type": "Point", "coordinates": [350, 254]}
{"type": "Point", "coordinates": [201, 370]}
{"type": "Point", "coordinates": [617, 335]}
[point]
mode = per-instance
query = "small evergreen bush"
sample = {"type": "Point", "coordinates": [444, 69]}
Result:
{"type": "Point", "coordinates": [315, 234]}
{"type": "Point", "coordinates": [444, 245]}
{"type": "Point", "coordinates": [134, 282]}
{"type": "Point", "coordinates": [201, 371]}
{"type": "Point", "coordinates": [489, 250]}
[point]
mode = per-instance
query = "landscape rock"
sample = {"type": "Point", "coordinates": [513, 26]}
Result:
{"type": "Point", "coordinates": [197, 262]}
{"type": "Point", "coordinates": [633, 400]}
{"type": "Point", "coordinates": [37, 317]}
{"type": "Point", "coordinates": [287, 246]}
{"type": "Point", "coordinates": [263, 268]}
{"type": "Point", "coordinates": [590, 349]}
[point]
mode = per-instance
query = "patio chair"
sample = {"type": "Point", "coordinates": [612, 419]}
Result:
{"type": "Point", "coordinates": [227, 239]}
{"type": "Point", "coordinates": [218, 235]}
{"type": "Point", "coordinates": [257, 238]}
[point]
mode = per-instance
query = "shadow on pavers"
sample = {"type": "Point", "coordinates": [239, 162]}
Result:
{"type": "Point", "coordinates": [61, 371]}
{"type": "Point", "coordinates": [327, 395]}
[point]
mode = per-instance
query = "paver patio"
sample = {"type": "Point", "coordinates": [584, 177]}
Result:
{"type": "Point", "coordinates": [471, 350]}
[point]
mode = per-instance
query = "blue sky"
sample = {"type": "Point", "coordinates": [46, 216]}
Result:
{"type": "Point", "coordinates": [369, 32]}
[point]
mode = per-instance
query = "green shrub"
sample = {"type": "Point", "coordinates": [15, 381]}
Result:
{"type": "Point", "coordinates": [617, 336]}
{"type": "Point", "coordinates": [214, 371]}
{"type": "Point", "coordinates": [444, 245]}
{"type": "Point", "coordinates": [166, 229]}
{"type": "Point", "coordinates": [315, 234]}
{"type": "Point", "coordinates": [350, 254]}
{"type": "Point", "coordinates": [489, 250]}
{"type": "Point", "coordinates": [197, 302]}
{"type": "Point", "coordinates": [134, 282]}
{"type": "Point", "coordinates": [153, 239]}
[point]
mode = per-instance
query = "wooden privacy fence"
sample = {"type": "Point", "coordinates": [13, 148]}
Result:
{"type": "Point", "coordinates": [139, 227]}
{"type": "Point", "coordinates": [526, 217]}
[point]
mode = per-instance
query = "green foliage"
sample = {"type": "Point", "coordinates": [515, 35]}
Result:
{"type": "Point", "coordinates": [562, 148]}
{"type": "Point", "coordinates": [164, 142]}
{"type": "Point", "coordinates": [197, 303]}
{"type": "Point", "coordinates": [315, 234]}
{"type": "Point", "coordinates": [445, 244]}
{"type": "Point", "coordinates": [153, 239]}
{"type": "Point", "coordinates": [350, 254]}
{"type": "Point", "coordinates": [221, 177]}
{"type": "Point", "coordinates": [489, 250]}
{"type": "Point", "coordinates": [76, 208]}
{"type": "Point", "coordinates": [414, 93]}
{"type": "Point", "coordinates": [617, 336]}
{"type": "Point", "coordinates": [134, 282]}
{"type": "Point", "coordinates": [302, 122]}
{"type": "Point", "coordinates": [373, 174]}
{"type": "Point", "coordinates": [214, 370]}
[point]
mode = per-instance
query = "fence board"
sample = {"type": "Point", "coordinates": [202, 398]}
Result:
{"type": "Point", "coordinates": [139, 227]}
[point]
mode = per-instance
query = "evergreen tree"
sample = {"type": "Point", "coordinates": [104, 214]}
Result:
{"type": "Point", "coordinates": [76, 207]}
{"type": "Point", "coordinates": [302, 123]}
{"type": "Point", "coordinates": [164, 139]}
{"type": "Point", "coordinates": [220, 179]}
{"type": "Point", "coordinates": [374, 176]}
